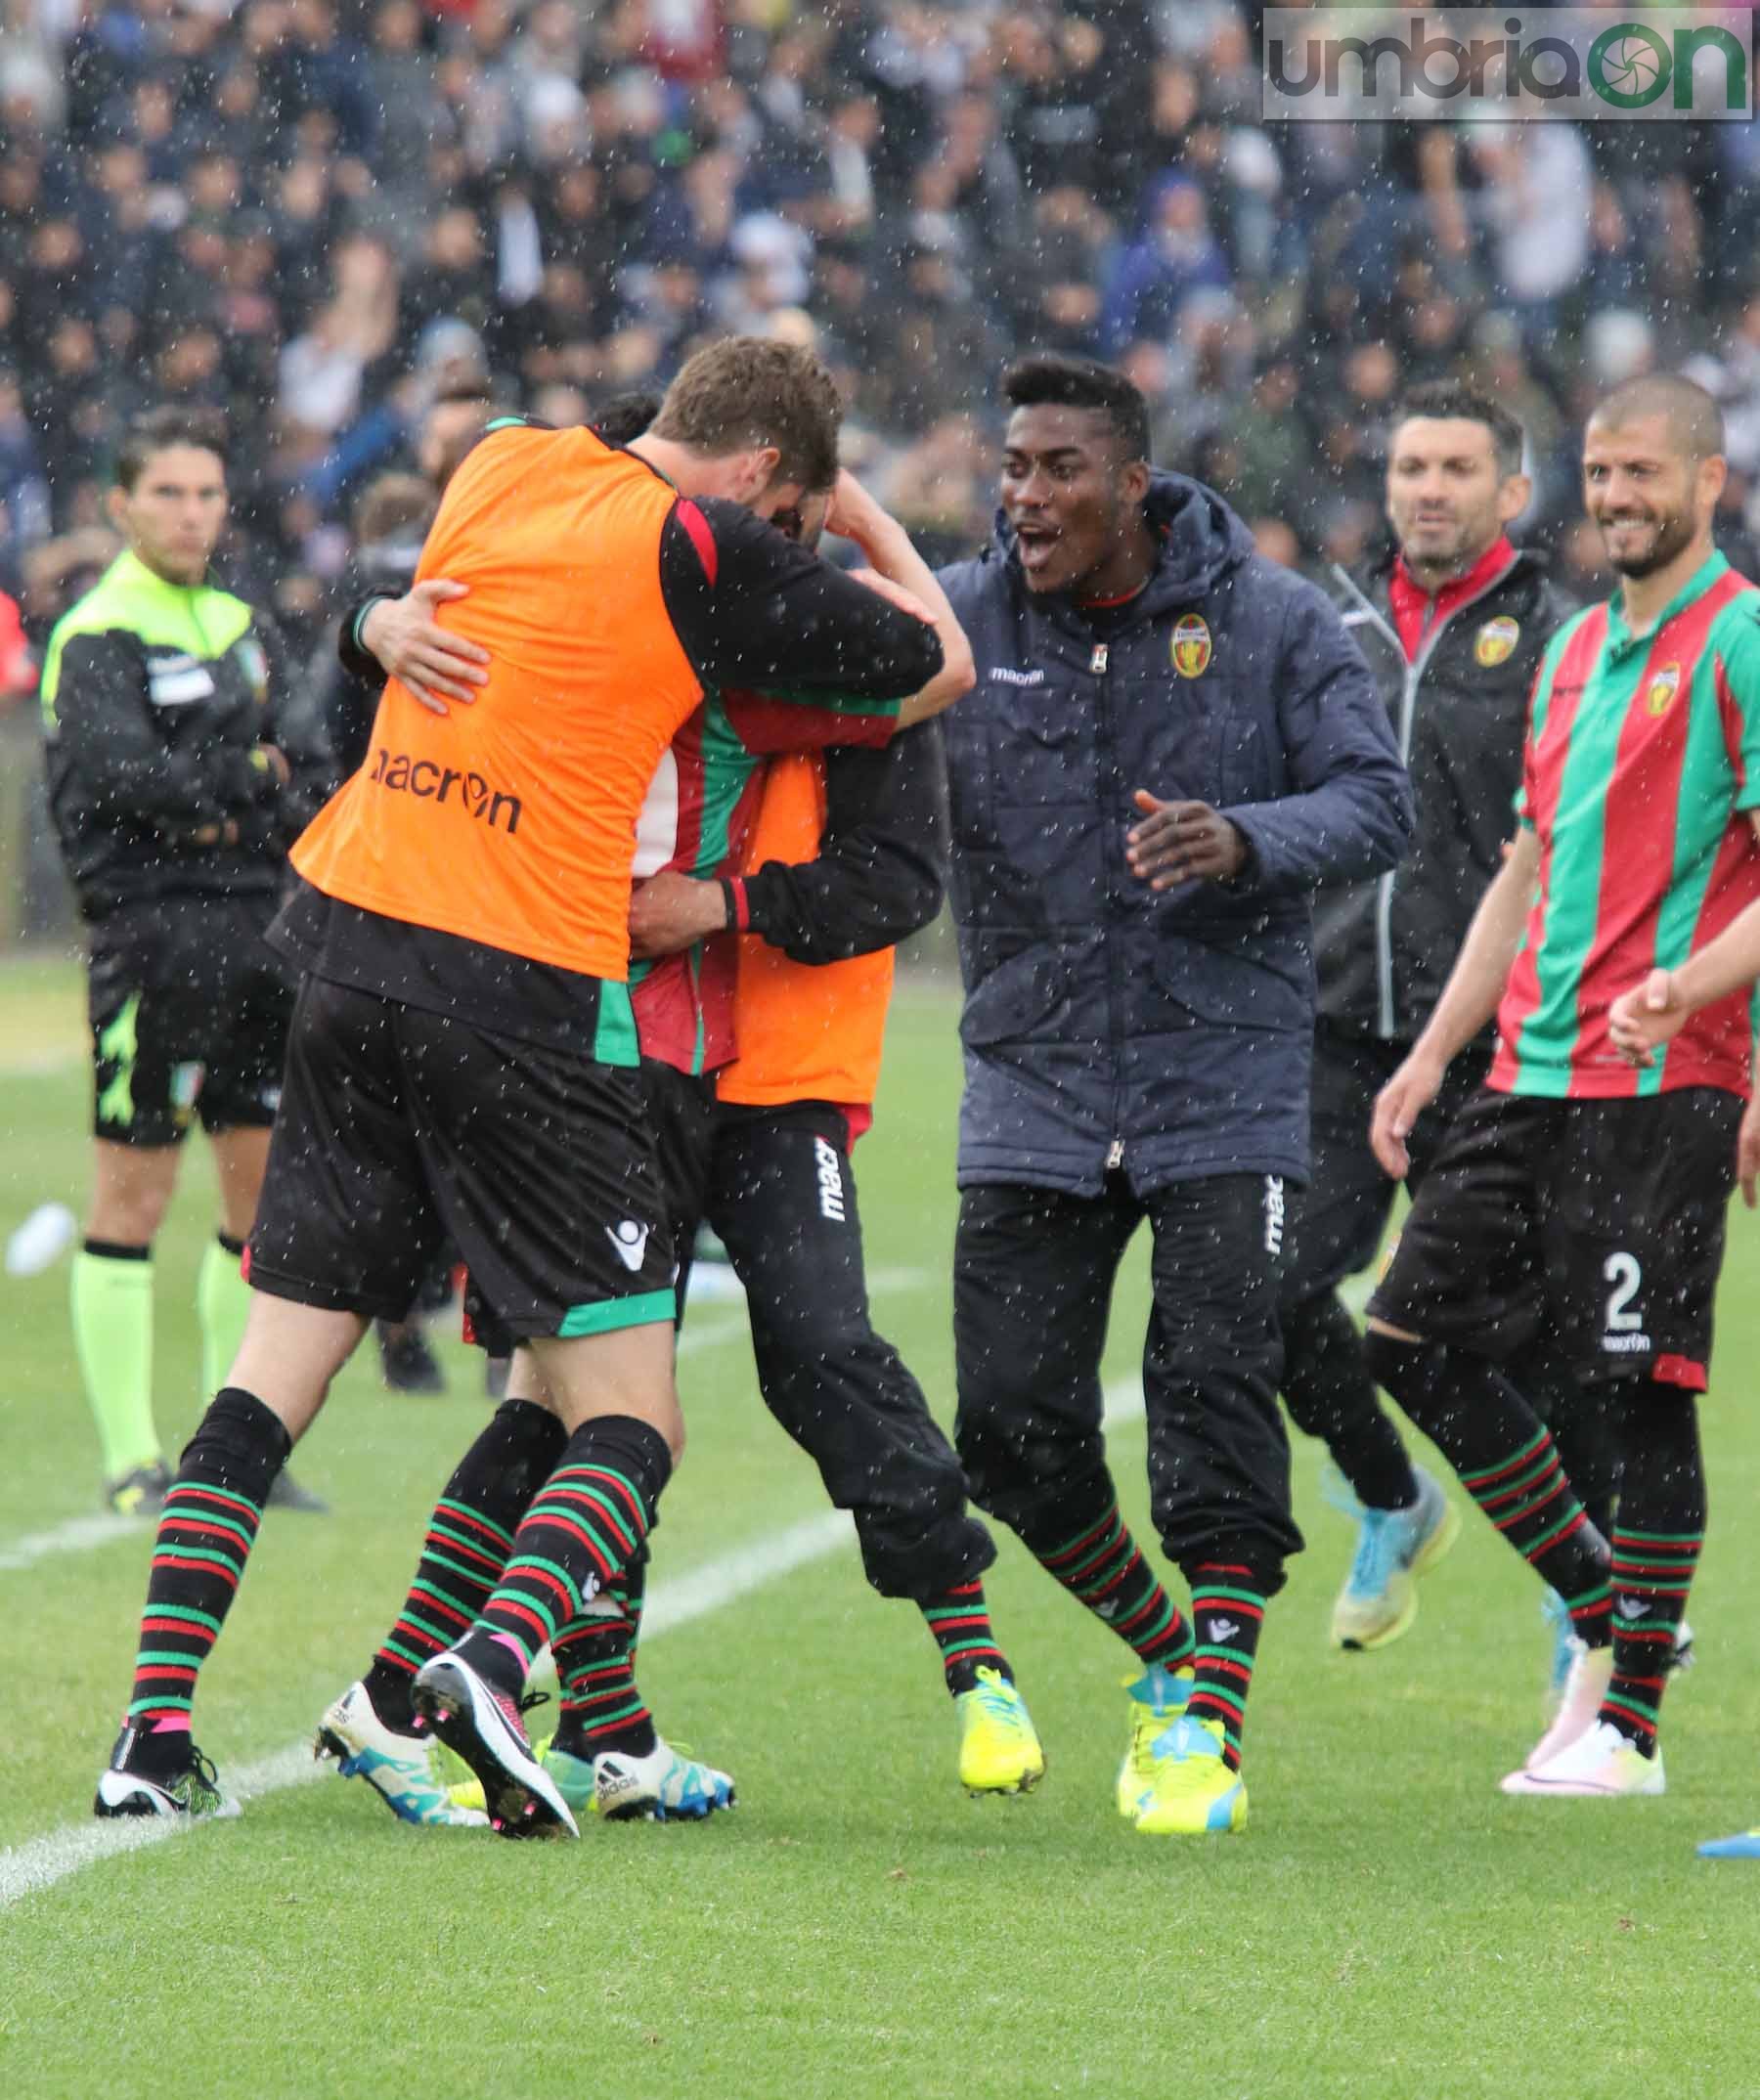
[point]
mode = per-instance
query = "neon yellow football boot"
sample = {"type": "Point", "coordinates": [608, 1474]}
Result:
{"type": "Point", "coordinates": [1157, 1698]}
{"type": "Point", "coordinates": [999, 1747]}
{"type": "Point", "coordinates": [1192, 1792]}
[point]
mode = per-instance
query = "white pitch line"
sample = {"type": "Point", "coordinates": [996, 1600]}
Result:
{"type": "Point", "coordinates": [83, 1534]}
{"type": "Point", "coordinates": [28, 1870]}
{"type": "Point", "coordinates": [716, 1583]}
{"type": "Point", "coordinates": [709, 1330]}
{"type": "Point", "coordinates": [78, 1535]}
{"type": "Point", "coordinates": [37, 1064]}
{"type": "Point", "coordinates": [1123, 1402]}
{"type": "Point", "coordinates": [883, 1282]}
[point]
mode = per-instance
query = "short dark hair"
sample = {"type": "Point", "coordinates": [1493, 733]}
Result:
{"type": "Point", "coordinates": [1046, 381]}
{"type": "Point", "coordinates": [1452, 400]}
{"type": "Point", "coordinates": [624, 417]}
{"type": "Point", "coordinates": [1696, 422]}
{"type": "Point", "coordinates": [159, 429]}
{"type": "Point", "coordinates": [394, 503]}
{"type": "Point", "coordinates": [470, 429]}
{"type": "Point", "coordinates": [748, 390]}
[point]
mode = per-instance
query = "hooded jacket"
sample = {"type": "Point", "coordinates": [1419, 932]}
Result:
{"type": "Point", "coordinates": [1108, 1027]}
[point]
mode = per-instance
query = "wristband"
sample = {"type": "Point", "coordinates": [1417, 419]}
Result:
{"type": "Point", "coordinates": [379, 599]}
{"type": "Point", "coordinates": [734, 895]}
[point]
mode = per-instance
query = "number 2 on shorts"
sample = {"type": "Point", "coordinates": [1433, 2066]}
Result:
{"type": "Point", "coordinates": [1625, 1274]}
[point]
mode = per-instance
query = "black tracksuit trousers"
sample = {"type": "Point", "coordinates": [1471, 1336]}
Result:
{"type": "Point", "coordinates": [782, 1198]}
{"type": "Point", "coordinates": [1032, 1282]}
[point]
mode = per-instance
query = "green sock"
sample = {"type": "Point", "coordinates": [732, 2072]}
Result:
{"type": "Point", "coordinates": [222, 1303]}
{"type": "Point", "coordinates": [112, 1335]}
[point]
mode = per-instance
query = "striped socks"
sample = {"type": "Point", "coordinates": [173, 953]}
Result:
{"type": "Point", "coordinates": [1652, 1572]}
{"type": "Point", "coordinates": [1657, 1537]}
{"type": "Point", "coordinates": [959, 1621]}
{"type": "Point", "coordinates": [468, 1542]}
{"type": "Point", "coordinates": [1102, 1567]}
{"type": "Point", "coordinates": [1507, 1463]}
{"type": "Point", "coordinates": [602, 1707]}
{"type": "Point", "coordinates": [1228, 1609]}
{"type": "Point", "coordinates": [588, 1522]}
{"type": "Point", "coordinates": [463, 1557]}
{"type": "Point", "coordinates": [205, 1534]}
{"type": "Point", "coordinates": [1528, 1499]}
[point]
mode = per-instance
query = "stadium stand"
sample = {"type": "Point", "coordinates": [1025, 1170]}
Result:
{"type": "Point", "coordinates": [319, 213]}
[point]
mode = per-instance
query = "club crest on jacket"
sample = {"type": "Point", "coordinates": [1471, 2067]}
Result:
{"type": "Point", "coordinates": [1190, 647]}
{"type": "Point", "coordinates": [1495, 640]}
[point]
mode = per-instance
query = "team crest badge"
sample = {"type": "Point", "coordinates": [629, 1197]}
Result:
{"type": "Point", "coordinates": [1494, 641]}
{"type": "Point", "coordinates": [1190, 646]}
{"type": "Point", "coordinates": [1662, 688]}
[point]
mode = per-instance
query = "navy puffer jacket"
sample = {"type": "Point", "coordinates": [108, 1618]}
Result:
{"type": "Point", "coordinates": [1106, 1026]}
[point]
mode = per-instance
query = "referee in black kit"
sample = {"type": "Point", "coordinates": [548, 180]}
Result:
{"type": "Point", "coordinates": [182, 764]}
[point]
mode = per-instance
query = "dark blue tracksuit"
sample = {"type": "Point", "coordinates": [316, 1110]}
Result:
{"type": "Point", "coordinates": [1132, 1054]}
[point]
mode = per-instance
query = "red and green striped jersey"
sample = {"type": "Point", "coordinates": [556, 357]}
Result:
{"type": "Point", "coordinates": [1643, 760]}
{"type": "Point", "coordinates": [696, 821]}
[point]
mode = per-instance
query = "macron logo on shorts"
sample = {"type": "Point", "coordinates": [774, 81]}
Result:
{"type": "Point", "coordinates": [1274, 1214]}
{"type": "Point", "coordinates": [830, 1181]}
{"type": "Point", "coordinates": [630, 1241]}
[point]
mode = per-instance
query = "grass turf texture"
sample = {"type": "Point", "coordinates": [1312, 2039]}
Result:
{"type": "Point", "coordinates": [1388, 1925]}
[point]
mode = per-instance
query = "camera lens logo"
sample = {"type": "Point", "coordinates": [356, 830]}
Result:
{"type": "Point", "coordinates": [1631, 70]}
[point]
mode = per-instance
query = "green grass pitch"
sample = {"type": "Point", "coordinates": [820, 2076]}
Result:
{"type": "Point", "coordinates": [1387, 1924]}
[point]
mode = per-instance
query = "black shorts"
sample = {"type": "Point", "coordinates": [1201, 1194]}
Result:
{"type": "Point", "coordinates": [398, 1126]}
{"type": "Point", "coordinates": [680, 1113]}
{"type": "Point", "coordinates": [1339, 1218]}
{"type": "Point", "coordinates": [1604, 1219]}
{"type": "Point", "coordinates": [190, 1010]}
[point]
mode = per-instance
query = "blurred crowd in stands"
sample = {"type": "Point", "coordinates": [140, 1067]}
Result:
{"type": "Point", "coordinates": [325, 215]}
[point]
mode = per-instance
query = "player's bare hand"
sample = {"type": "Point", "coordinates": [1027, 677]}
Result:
{"type": "Point", "coordinates": [893, 594]}
{"type": "Point", "coordinates": [669, 912]}
{"type": "Point", "coordinates": [1747, 1154]}
{"type": "Point", "coordinates": [426, 658]}
{"type": "Point", "coordinates": [1397, 1108]}
{"type": "Point", "coordinates": [1642, 1019]}
{"type": "Point", "coordinates": [854, 514]}
{"type": "Point", "coordinates": [1183, 842]}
